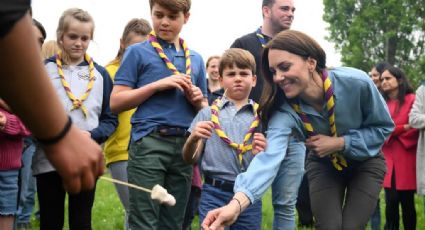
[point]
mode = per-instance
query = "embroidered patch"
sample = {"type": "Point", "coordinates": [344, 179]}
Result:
{"type": "Point", "coordinates": [84, 75]}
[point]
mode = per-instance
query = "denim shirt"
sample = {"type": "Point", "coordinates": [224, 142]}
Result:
{"type": "Point", "coordinates": [142, 65]}
{"type": "Point", "coordinates": [361, 115]}
{"type": "Point", "coordinates": [283, 137]}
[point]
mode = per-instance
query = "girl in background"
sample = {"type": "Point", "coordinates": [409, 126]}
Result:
{"type": "Point", "coordinates": [116, 147]}
{"type": "Point", "coordinates": [12, 132]}
{"type": "Point", "coordinates": [84, 89]}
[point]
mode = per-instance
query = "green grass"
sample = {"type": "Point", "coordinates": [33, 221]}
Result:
{"type": "Point", "coordinates": [108, 213]}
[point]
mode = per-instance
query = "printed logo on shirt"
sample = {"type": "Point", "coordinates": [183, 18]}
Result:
{"type": "Point", "coordinates": [84, 75]}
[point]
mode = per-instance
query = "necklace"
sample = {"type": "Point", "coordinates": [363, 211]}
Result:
{"type": "Point", "coordinates": [261, 37]}
{"type": "Point", "coordinates": [242, 148]}
{"type": "Point", "coordinates": [77, 103]}
{"type": "Point", "coordinates": [338, 161]}
{"type": "Point", "coordinates": [154, 42]}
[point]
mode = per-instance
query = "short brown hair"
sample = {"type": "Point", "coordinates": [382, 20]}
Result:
{"type": "Point", "coordinates": [239, 57]}
{"type": "Point", "coordinates": [211, 58]}
{"type": "Point", "coordinates": [173, 5]}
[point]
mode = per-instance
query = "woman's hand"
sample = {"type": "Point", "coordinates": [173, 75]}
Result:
{"type": "Point", "coordinates": [222, 217]}
{"type": "Point", "coordinates": [323, 145]}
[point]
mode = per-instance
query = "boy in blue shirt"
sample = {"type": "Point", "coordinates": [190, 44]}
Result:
{"type": "Point", "coordinates": [229, 126]}
{"type": "Point", "coordinates": [166, 82]}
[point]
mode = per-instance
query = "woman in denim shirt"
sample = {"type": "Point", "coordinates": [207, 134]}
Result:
{"type": "Point", "coordinates": [344, 166]}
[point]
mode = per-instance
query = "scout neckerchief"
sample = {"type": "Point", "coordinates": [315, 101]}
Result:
{"type": "Point", "coordinates": [240, 148]}
{"type": "Point", "coordinates": [154, 42]}
{"type": "Point", "coordinates": [338, 161]}
{"type": "Point", "coordinates": [261, 37]}
{"type": "Point", "coordinates": [77, 103]}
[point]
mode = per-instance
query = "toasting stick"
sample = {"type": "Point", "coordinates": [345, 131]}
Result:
{"type": "Point", "coordinates": [157, 193]}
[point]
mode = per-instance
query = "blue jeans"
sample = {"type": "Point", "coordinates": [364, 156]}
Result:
{"type": "Point", "coordinates": [212, 198]}
{"type": "Point", "coordinates": [9, 192]}
{"type": "Point", "coordinates": [28, 184]}
{"type": "Point", "coordinates": [285, 190]}
{"type": "Point", "coordinates": [119, 171]}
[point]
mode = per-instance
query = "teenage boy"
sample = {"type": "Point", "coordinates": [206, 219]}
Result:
{"type": "Point", "coordinates": [166, 82]}
{"type": "Point", "coordinates": [229, 126]}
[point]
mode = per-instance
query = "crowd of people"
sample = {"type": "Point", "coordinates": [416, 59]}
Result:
{"type": "Point", "coordinates": [267, 113]}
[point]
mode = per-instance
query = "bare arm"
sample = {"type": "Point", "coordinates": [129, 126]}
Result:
{"type": "Point", "coordinates": [25, 86]}
{"type": "Point", "coordinates": [195, 143]}
{"type": "Point", "coordinates": [124, 98]}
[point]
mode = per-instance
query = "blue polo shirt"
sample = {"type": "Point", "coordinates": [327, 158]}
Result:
{"type": "Point", "coordinates": [142, 65]}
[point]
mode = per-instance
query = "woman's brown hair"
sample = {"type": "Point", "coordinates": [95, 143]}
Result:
{"type": "Point", "coordinates": [293, 42]}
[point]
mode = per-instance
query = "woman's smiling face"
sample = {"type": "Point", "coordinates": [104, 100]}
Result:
{"type": "Point", "coordinates": [290, 72]}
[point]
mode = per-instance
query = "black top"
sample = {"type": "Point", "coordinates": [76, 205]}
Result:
{"type": "Point", "coordinates": [10, 12]}
{"type": "Point", "coordinates": [214, 95]}
{"type": "Point", "coordinates": [251, 43]}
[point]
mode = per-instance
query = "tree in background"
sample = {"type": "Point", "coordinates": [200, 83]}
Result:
{"type": "Point", "coordinates": [370, 31]}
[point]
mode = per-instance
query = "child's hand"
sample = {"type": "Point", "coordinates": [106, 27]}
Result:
{"type": "Point", "coordinates": [203, 129]}
{"type": "Point", "coordinates": [3, 120]}
{"type": "Point", "coordinates": [180, 82]}
{"type": "Point", "coordinates": [195, 96]}
{"type": "Point", "coordinates": [259, 143]}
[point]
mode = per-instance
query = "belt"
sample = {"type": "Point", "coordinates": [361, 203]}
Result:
{"type": "Point", "coordinates": [224, 185]}
{"type": "Point", "coordinates": [163, 130]}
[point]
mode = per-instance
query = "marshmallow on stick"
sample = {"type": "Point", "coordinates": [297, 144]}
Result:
{"type": "Point", "coordinates": [157, 193]}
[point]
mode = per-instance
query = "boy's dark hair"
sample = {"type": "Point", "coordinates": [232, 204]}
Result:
{"type": "Point", "coordinates": [40, 27]}
{"type": "Point", "coordinates": [268, 3]}
{"type": "Point", "coordinates": [174, 6]}
{"type": "Point", "coordinates": [239, 57]}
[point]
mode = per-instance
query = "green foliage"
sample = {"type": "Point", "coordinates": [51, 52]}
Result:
{"type": "Point", "coordinates": [370, 31]}
{"type": "Point", "coordinates": [108, 213]}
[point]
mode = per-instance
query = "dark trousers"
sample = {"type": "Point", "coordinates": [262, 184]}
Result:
{"type": "Point", "coordinates": [192, 207]}
{"type": "Point", "coordinates": [344, 199]}
{"type": "Point", "coordinates": [155, 160]}
{"type": "Point", "coordinates": [51, 197]}
{"type": "Point", "coordinates": [305, 215]}
{"type": "Point", "coordinates": [393, 198]}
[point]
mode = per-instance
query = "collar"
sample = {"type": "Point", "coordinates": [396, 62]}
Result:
{"type": "Point", "coordinates": [259, 30]}
{"type": "Point", "coordinates": [166, 45]}
{"type": "Point", "coordinates": [226, 102]}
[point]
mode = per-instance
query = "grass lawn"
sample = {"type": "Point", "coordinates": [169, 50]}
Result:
{"type": "Point", "coordinates": [108, 213]}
